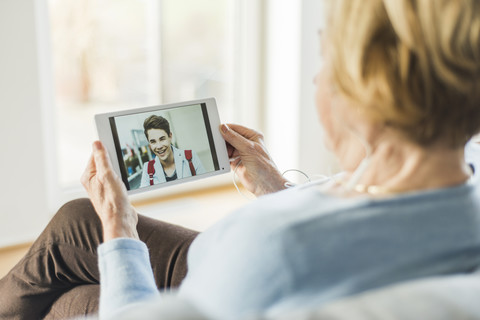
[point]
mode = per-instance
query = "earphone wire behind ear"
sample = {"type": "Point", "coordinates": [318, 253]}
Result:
{"type": "Point", "coordinates": [362, 167]}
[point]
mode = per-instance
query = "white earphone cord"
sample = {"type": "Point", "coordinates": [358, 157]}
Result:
{"type": "Point", "coordinates": [352, 182]}
{"type": "Point", "coordinates": [286, 185]}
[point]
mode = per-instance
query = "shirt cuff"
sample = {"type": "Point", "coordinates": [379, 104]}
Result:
{"type": "Point", "coordinates": [126, 275]}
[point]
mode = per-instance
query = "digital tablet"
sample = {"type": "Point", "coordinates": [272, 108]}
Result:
{"type": "Point", "coordinates": [164, 145]}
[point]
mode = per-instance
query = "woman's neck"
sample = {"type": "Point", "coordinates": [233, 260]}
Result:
{"type": "Point", "coordinates": [401, 167]}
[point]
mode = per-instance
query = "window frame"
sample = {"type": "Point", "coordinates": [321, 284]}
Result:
{"type": "Point", "coordinates": [246, 81]}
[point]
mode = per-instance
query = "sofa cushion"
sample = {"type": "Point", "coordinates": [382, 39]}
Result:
{"type": "Point", "coordinates": [440, 298]}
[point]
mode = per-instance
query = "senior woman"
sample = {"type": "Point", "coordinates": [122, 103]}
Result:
{"type": "Point", "coordinates": [398, 96]}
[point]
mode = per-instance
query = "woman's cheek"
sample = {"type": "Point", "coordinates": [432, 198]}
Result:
{"type": "Point", "coordinates": [324, 112]}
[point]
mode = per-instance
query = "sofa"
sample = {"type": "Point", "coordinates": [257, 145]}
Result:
{"type": "Point", "coordinates": [453, 297]}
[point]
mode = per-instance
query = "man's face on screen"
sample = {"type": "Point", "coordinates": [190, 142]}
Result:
{"type": "Point", "coordinates": [160, 143]}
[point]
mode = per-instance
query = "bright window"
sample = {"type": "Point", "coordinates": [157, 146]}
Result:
{"type": "Point", "coordinates": [116, 54]}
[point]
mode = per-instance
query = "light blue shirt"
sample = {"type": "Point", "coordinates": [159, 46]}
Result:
{"type": "Point", "coordinates": [303, 248]}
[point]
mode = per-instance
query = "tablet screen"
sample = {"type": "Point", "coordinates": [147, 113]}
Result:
{"type": "Point", "coordinates": [163, 145]}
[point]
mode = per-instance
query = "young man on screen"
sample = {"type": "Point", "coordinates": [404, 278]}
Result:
{"type": "Point", "coordinates": [169, 162]}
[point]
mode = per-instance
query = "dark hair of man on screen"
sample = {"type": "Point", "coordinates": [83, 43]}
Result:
{"type": "Point", "coordinates": [156, 122]}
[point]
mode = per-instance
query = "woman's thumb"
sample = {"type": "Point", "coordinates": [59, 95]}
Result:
{"type": "Point", "coordinates": [234, 138]}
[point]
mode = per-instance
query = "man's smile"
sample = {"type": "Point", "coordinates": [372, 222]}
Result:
{"type": "Point", "coordinates": [161, 152]}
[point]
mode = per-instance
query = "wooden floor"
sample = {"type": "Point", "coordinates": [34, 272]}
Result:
{"type": "Point", "coordinates": [196, 210]}
{"type": "Point", "coordinates": [10, 256]}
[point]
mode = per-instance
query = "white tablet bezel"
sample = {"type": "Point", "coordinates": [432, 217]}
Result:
{"type": "Point", "coordinates": [106, 135]}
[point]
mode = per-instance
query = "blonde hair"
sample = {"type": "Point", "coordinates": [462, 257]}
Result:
{"type": "Point", "coordinates": [413, 65]}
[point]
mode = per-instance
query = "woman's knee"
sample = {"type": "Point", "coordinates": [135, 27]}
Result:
{"type": "Point", "coordinates": [75, 210]}
{"type": "Point", "coordinates": [74, 214]}
{"type": "Point", "coordinates": [76, 223]}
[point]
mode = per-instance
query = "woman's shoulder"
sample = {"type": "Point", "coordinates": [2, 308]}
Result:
{"type": "Point", "coordinates": [308, 215]}
{"type": "Point", "coordinates": [306, 211]}
{"type": "Point", "coordinates": [303, 204]}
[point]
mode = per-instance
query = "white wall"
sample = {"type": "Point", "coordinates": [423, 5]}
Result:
{"type": "Point", "coordinates": [282, 90]}
{"type": "Point", "coordinates": [293, 133]}
{"type": "Point", "coordinates": [23, 190]}
{"type": "Point", "coordinates": [314, 157]}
